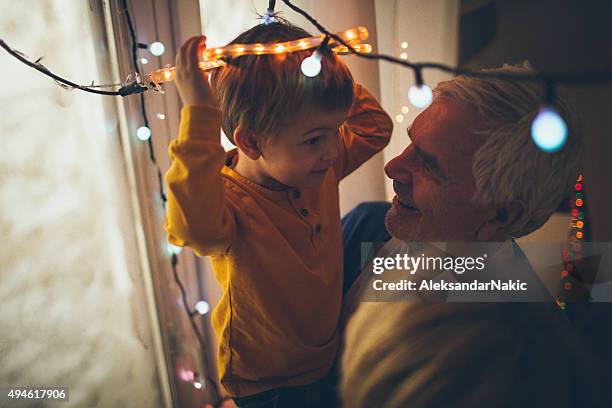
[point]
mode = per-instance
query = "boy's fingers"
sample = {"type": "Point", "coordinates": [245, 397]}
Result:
{"type": "Point", "coordinates": [183, 56]}
{"type": "Point", "coordinates": [201, 45]}
{"type": "Point", "coordinates": [194, 48]}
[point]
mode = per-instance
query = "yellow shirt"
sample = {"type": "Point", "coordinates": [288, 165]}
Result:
{"type": "Point", "coordinates": [276, 254]}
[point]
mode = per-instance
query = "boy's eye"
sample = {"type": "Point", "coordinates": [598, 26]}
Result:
{"type": "Point", "coordinates": [312, 141]}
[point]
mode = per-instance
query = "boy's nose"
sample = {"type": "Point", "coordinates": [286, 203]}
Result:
{"type": "Point", "coordinates": [399, 169]}
{"type": "Point", "coordinates": [332, 149]}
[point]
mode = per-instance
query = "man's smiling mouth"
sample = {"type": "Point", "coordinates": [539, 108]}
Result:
{"type": "Point", "coordinates": [406, 203]}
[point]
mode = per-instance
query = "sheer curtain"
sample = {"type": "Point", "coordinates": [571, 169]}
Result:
{"type": "Point", "coordinates": [73, 310]}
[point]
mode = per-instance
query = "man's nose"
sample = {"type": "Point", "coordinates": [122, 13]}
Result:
{"type": "Point", "coordinates": [399, 169]}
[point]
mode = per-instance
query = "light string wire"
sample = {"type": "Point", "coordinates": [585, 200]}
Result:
{"type": "Point", "coordinates": [550, 77]}
{"type": "Point", "coordinates": [66, 84]}
{"type": "Point", "coordinates": [127, 88]}
{"type": "Point", "coordinates": [191, 314]}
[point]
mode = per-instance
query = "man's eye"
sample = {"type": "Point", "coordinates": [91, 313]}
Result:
{"type": "Point", "coordinates": [312, 141]}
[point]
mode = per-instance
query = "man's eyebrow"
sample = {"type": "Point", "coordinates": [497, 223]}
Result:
{"type": "Point", "coordinates": [428, 158]}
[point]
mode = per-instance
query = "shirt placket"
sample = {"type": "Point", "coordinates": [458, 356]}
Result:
{"type": "Point", "coordinates": [306, 213]}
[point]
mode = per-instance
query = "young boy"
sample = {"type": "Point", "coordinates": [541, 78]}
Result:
{"type": "Point", "coordinates": [267, 213]}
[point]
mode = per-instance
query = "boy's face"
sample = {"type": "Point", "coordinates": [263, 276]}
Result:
{"type": "Point", "coordinates": [303, 151]}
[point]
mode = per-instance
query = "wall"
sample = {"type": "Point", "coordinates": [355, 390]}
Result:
{"type": "Point", "coordinates": [430, 30]}
{"type": "Point", "coordinates": [565, 35]}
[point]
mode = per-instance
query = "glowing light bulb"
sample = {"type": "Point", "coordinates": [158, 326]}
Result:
{"type": "Point", "coordinates": [143, 133]}
{"type": "Point", "coordinates": [399, 118]}
{"type": "Point", "coordinates": [311, 66]}
{"type": "Point", "coordinates": [420, 95]}
{"type": "Point", "coordinates": [404, 45]}
{"type": "Point", "coordinates": [403, 55]}
{"type": "Point", "coordinates": [173, 249]}
{"type": "Point", "coordinates": [157, 48]}
{"type": "Point", "coordinates": [197, 385]}
{"type": "Point", "coordinates": [161, 116]}
{"type": "Point", "coordinates": [186, 375]}
{"type": "Point", "coordinates": [202, 307]}
{"type": "Point", "coordinates": [548, 130]}
{"type": "Point", "coordinates": [405, 109]}
{"type": "Point", "coordinates": [167, 74]}
{"type": "Point", "coordinates": [144, 61]}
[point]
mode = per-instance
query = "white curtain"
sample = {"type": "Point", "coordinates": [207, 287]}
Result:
{"type": "Point", "coordinates": [73, 310]}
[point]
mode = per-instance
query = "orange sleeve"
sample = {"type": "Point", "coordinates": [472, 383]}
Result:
{"type": "Point", "coordinates": [366, 131]}
{"type": "Point", "coordinates": [198, 213]}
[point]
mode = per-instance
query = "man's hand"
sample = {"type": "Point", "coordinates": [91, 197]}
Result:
{"type": "Point", "coordinates": [191, 82]}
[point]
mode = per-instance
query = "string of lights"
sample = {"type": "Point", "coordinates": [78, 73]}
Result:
{"type": "Point", "coordinates": [212, 58]}
{"type": "Point", "coordinates": [127, 88]}
{"type": "Point", "coordinates": [201, 307]}
{"type": "Point", "coordinates": [549, 130]}
{"type": "Point", "coordinates": [572, 252]}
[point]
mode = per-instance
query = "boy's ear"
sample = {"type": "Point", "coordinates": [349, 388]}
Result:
{"type": "Point", "coordinates": [247, 143]}
{"type": "Point", "coordinates": [495, 227]}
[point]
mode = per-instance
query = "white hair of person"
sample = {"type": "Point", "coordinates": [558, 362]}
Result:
{"type": "Point", "coordinates": [509, 166]}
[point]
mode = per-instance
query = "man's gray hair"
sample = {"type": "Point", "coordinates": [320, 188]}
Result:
{"type": "Point", "coordinates": [509, 166]}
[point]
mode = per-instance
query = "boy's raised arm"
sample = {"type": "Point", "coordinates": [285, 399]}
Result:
{"type": "Point", "coordinates": [199, 214]}
{"type": "Point", "coordinates": [366, 131]}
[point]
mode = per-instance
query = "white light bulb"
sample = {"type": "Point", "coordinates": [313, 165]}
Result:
{"type": "Point", "coordinates": [197, 384]}
{"type": "Point", "coordinates": [403, 55]}
{"type": "Point", "coordinates": [548, 130]}
{"type": "Point", "coordinates": [420, 95]}
{"type": "Point", "coordinates": [404, 45]}
{"type": "Point", "coordinates": [405, 109]}
{"type": "Point", "coordinates": [161, 116]}
{"type": "Point", "coordinates": [143, 133]}
{"type": "Point", "coordinates": [157, 48]}
{"type": "Point", "coordinates": [202, 307]}
{"type": "Point", "coordinates": [144, 61]}
{"type": "Point", "coordinates": [173, 249]}
{"type": "Point", "coordinates": [311, 66]}
{"type": "Point", "coordinates": [399, 118]}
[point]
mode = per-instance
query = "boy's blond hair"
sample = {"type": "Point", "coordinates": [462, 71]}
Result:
{"type": "Point", "coordinates": [262, 93]}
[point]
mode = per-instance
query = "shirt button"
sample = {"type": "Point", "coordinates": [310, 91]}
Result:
{"type": "Point", "coordinates": [318, 228]}
{"type": "Point", "coordinates": [296, 194]}
{"type": "Point", "coordinates": [304, 212]}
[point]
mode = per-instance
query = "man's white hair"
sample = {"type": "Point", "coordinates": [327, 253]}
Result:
{"type": "Point", "coordinates": [509, 166]}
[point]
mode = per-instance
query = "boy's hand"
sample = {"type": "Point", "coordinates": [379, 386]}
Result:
{"type": "Point", "coordinates": [191, 82]}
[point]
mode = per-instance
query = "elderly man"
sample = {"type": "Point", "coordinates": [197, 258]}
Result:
{"type": "Point", "coordinates": [472, 173]}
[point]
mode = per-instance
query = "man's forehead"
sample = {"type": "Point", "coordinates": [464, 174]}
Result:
{"type": "Point", "coordinates": [447, 123]}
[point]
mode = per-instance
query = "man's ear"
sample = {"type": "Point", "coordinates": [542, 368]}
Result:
{"type": "Point", "coordinates": [247, 143]}
{"type": "Point", "coordinates": [496, 225]}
